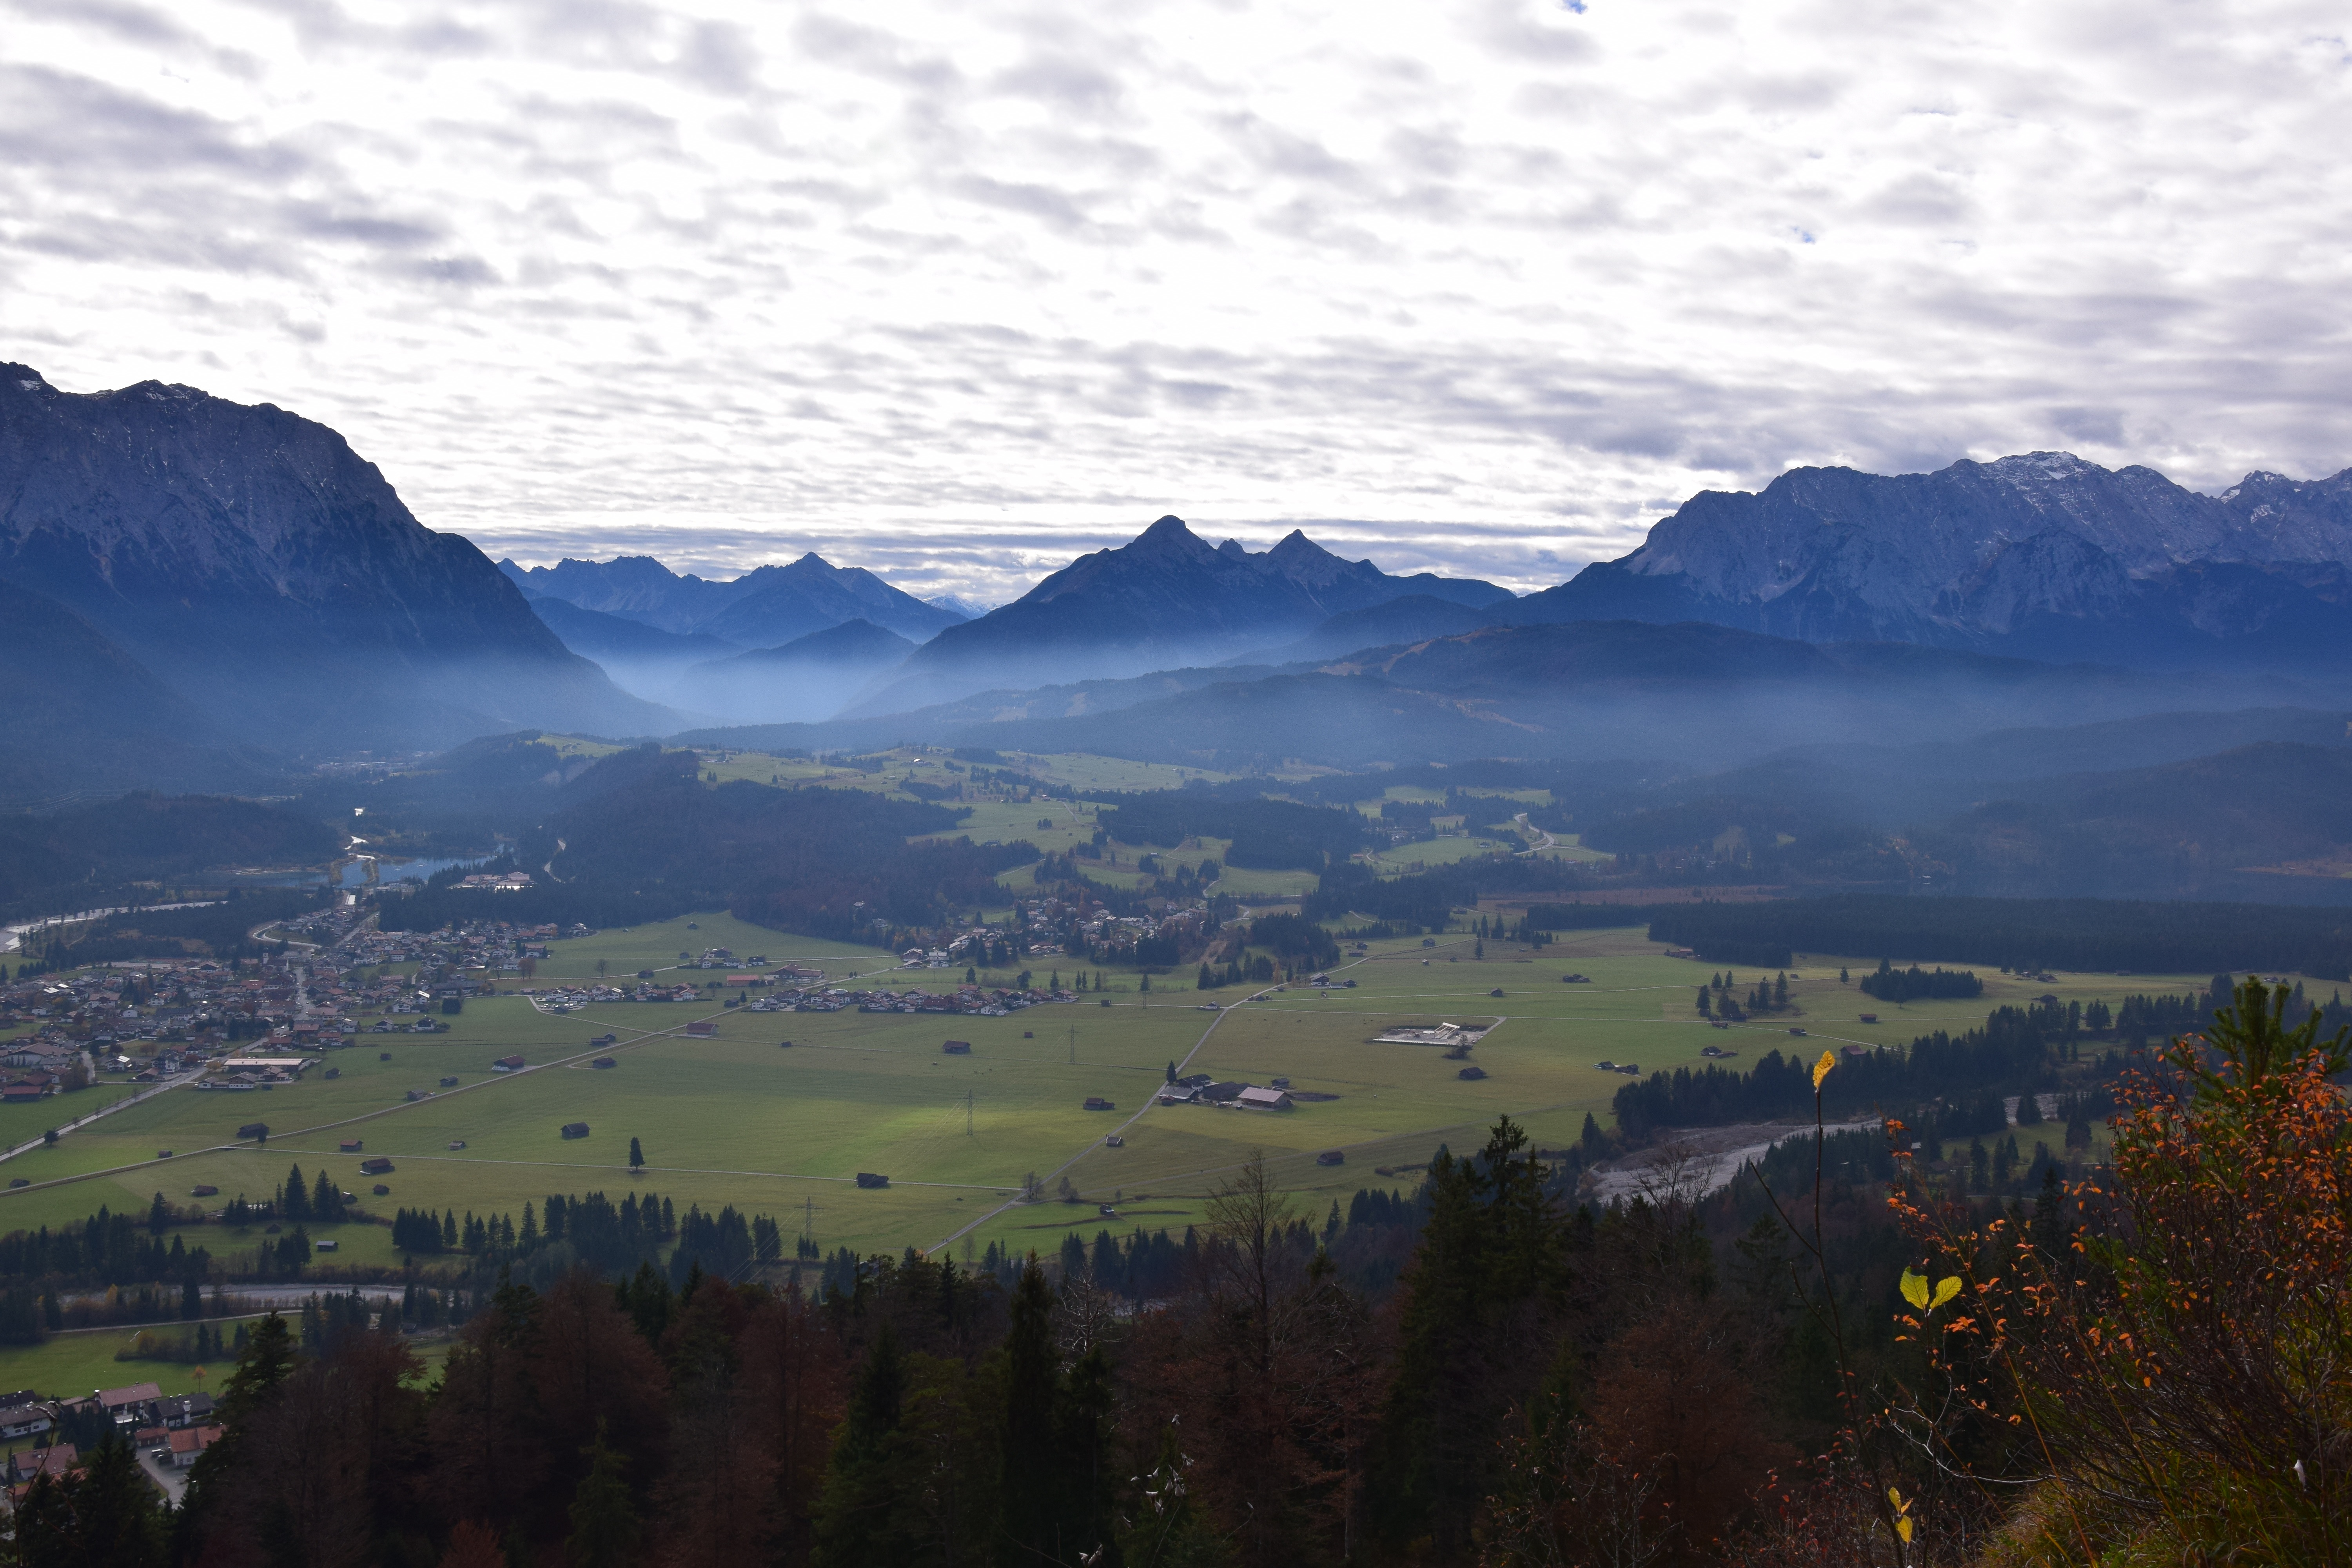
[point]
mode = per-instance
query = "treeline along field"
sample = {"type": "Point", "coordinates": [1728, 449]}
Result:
{"type": "Point", "coordinates": [2016, 1051]}
{"type": "Point", "coordinates": [2030, 933]}
{"type": "Point", "coordinates": [1266, 835]}
{"type": "Point", "coordinates": [1427, 902]}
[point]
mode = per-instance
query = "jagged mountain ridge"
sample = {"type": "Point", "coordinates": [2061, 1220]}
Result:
{"type": "Point", "coordinates": [2041, 555]}
{"type": "Point", "coordinates": [270, 577]}
{"type": "Point", "coordinates": [765, 608]}
{"type": "Point", "coordinates": [1165, 599]}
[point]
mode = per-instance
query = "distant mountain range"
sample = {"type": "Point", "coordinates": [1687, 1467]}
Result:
{"type": "Point", "coordinates": [237, 576]}
{"type": "Point", "coordinates": [1165, 599]}
{"type": "Point", "coordinates": [2041, 556]}
{"type": "Point", "coordinates": [192, 591]}
{"type": "Point", "coordinates": [766, 607]}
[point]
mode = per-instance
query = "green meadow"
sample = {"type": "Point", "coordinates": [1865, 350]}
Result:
{"type": "Point", "coordinates": [72, 1364]}
{"type": "Point", "coordinates": [22, 1123]}
{"type": "Point", "coordinates": [738, 1118]}
{"type": "Point", "coordinates": [83, 1359]}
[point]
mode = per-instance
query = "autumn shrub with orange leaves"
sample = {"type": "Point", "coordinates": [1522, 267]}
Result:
{"type": "Point", "coordinates": [2168, 1379]}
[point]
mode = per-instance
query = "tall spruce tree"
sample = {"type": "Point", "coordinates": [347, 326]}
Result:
{"type": "Point", "coordinates": [105, 1516]}
{"type": "Point", "coordinates": [265, 1358]}
{"type": "Point", "coordinates": [1088, 1423]}
{"type": "Point", "coordinates": [603, 1514]}
{"type": "Point", "coordinates": [1029, 1497]}
{"type": "Point", "coordinates": [1491, 1258]}
{"type": "Point", "coordinates": [854, 1525]}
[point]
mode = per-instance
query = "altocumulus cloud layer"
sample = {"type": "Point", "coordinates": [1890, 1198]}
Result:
{"type": "Point", "coordinates": [954, 289]}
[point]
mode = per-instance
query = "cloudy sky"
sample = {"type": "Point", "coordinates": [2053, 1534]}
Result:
{"type": "Point", "coordinates": [955, 291]}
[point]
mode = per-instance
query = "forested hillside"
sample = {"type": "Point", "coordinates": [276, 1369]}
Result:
{"type": "Point", "coordinates": [804, 860]}
{"type": "Point", "coordinates": [1272, 834]}
{"type": "Point", "coordinates": [87, 856]}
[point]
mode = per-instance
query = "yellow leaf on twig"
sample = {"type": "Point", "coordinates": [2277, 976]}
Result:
{"type": "Point", "coordinates": [1822, 1068]}
{"type": "Point", "coordinates": [1915, 1289]}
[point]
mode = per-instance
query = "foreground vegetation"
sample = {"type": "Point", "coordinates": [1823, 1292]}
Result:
{"type": "Point", "coordinates": [2140, 1367]}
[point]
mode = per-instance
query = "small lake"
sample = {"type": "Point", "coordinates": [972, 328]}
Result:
{"type": "Point", "coordinates": [389, 869]}
{"type": "Point", "coordinates": [423, 868]}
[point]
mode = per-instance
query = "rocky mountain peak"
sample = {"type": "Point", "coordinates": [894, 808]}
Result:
{"type": "Point", "coordinates": [2043, 551]}
{"type": "Point", "coordinates": [1304, 562]}
{"type": "Point", "coordinates": [1170, 538]}
{"type": "Point", "coordinates": [269, 573]}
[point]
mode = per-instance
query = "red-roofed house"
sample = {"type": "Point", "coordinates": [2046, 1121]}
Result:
{"type": "Point", "coordinates": [190, 1441]}
{"type": "Point", "coordinates": [58, 1462]}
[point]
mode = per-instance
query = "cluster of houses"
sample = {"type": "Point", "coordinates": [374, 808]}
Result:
{"type": "Point", "coordinates": [975, 1001]}
{"type": "Point", "coordinates": [723, 958]}
{"type": "Point", "coordinates": [1088, 926]}
{"type": "Point", "coordinates": [506, 882]}
{"type": "Point", "coordinates": [170, 1429]}
{"type": "Point", "coordinates": [460, 960]}
{"type": "Point", "coordinates": [565, 998]}
{"type": "Point", "coordinates": [180, 1002]}
{"type": "Point", "coordinates": [182, 1012]}
{"type": "Point", "coordinates": [39, 1068]}
{"type": "Point", "coordinates": [1202, 1089]}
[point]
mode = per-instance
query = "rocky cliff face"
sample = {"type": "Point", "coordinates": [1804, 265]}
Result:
{"type": "Point", "coordinates": [271, 577]}
{"type": "Point", "coordinates": [2044, 555]}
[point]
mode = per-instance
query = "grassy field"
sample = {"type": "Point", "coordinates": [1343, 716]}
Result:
{"type": "Point", "coordinates": [626, 949]}
{"type": "Point", "coordinates": [1248, 882]}
{"type": "Point", "coordinates": [1080, 772]}
{"type": "Point", "coordinates": [73, 1365]}
{"type": "Point", "coordinates": [735, 1118]}
{"type": "Point", "coordinates": [1088, 773]}
{"type": "Point", "coordinates": [20, 1123]}
{"type": "Point", "coordinates": [1445, 850]}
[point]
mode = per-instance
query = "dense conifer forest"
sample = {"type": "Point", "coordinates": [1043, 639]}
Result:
{"type": "Point", "coordinates": [798, 860]}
